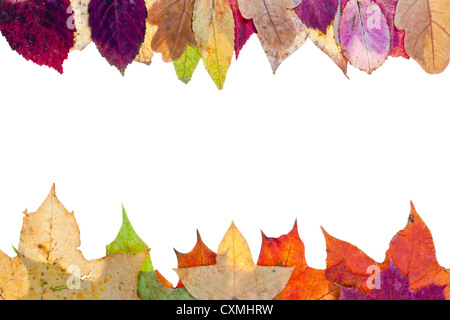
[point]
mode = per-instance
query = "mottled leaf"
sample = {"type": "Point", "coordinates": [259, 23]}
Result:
{"type": "Point", "coordinates": [118, 29]}
{"type": "Point", "coordinates": [427, 32]}
{"type": "Point", "coordinates": [49, 264]}
{"type": "Point", "coordinates": [214, 33]}
{"type": "Point", "coordinates": [174, 21]}
{"type": "Point", "coordinates": [80, 18]}
{"type": "Point", "coordinates": [39, 30]}
{"type": "Point", "coordinates": [187, 63]}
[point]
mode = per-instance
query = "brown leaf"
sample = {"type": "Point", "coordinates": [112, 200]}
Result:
{"type": "Point", "coordinates": [427, 32]}
{"type": "Point", "coordinates": [272, 21]}
{"type": "Point", "coordinates": [174, 21]}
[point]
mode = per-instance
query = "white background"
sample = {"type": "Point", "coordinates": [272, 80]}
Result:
{"type": "Point", "coordinates": [306, 143]}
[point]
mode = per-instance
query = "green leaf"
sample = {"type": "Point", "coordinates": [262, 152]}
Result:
{"type": "Point", "coordinates": [187, 63]}
{"type": "Point", "coordinates": [149, 286]}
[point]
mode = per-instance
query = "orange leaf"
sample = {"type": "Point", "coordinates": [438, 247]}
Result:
{"type": "Point", "coordinates": [347, 265]}
{"type": "Point", "coordinates": [412, 251]}
{"type": "Point", "coordinates": [305, 283]}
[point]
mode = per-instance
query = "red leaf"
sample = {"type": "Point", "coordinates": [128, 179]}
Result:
{"type": "Point", "coordinates": [305, 283]}
{"type": "Point", "coordinates": [243, 29]}
{"type": "Point", "coordinates": [41, 31]}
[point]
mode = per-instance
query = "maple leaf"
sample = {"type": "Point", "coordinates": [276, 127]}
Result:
{"type": "Point", "coordinates": [149, 286]}
{"type": "Point", "coordinates": [174, 21]}
{"type": "Point", "coordinates": [427, 32]}
{"type": "Point", "coordinates": [38, 30]}
{"type": "Point", "coordinates": [275, 55]}
{"type": "Point", "coordinates": [187, 63]}
{"type": "Point", "coordinates": [317, 14]}
{"type": "Point", "coordinates": [347, 265]}
{"type": "Point", "coordinates": [234, 276]}
{"type": "Point", "coordinates": [49, 265]}
{"type": "Point", "coordinates": [118, 29]}
{"type": "Point", "coordinates": [213, 27]}
{"type": "Point", "coordinates": [365, 41]}
{"type": "Point", "coordinates": [80, 18]}
{"type": "Point", "coordinates": [145, 54]}
{"type": "Point", "coordinates": [243, 29]}
{"type": "Point", "coordinates": [305, 283]}
{"type": "Point", "coordinates": [394, 286]}
{"type": "Point", "coordinates": [199, 256]}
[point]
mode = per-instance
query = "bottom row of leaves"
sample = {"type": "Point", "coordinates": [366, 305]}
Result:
{"type": "Point", "coordinates": [48, 265]}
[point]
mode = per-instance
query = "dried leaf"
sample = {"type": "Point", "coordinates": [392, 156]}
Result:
{"type": "Point", "coordinates": [277, 56]}
{"type": "Point", "coordinates": [317, 14]}
{"type": "Point", "coordinates": [427, 32]}
{"type": "Point", "coordinates": [49, 265]}
{"type": "Point", "coordinates": [272, 20]}
{"type": "Point", "coordinates": [174, 21]}
{"type": "Point", "coordinates": [214, 33]}
{"type": "Point", "coordinates": [234, 276]}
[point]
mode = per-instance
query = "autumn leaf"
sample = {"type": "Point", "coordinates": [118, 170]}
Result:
{"type": "Point", "coordinates": [427, 32]}
{"type": "Point", "coordinates": [187, 63]}
{"type": "Point", "coordinates": [317, 14]}
{"type": "Point", "coordinates": [275, 26]}
{"type": "Point", "coordinates": [213, 27]}
{"type": "Point", "coordinates": [305, 283]}
{"type": "Point", "coordinates": [393, 285]}
{"type": "Point", "coordinates": [149, 287]}
{"type": "Point", "coordinates": [234, 276]}
{"type": "Point", "coordinates": [174, 21]}
{"type": "Point", "coordinates": [277, 56]}
{"type": "Point", "coordinates": [347, 265]}
{"type": "Point", "coordinates": [118, 29]}
{"type": "Point", "coordinates": [413, 253]}
{"type": "Point", "coordinates": [243, 29]}
{"type": "Point", "coordinates": [199, 256]}
{"type": "Point", "coordinates": [365, 41]}
{"type": "Point", "coordinates": [80, 18]}
{"type": "Point", "coordinates": [145, 54]}
{"type": "Point", "coordinates": [49, 265]}
{"type": "Point", "coordinates": [38, 30]}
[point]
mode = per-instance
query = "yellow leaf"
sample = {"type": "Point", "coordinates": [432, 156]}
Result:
{"type": "Point", "coordinates": [49, 266]}
{"type": "Point", "coordinates": [213, 26]}
{"type": "Point", "coordinates": [234, 276]}
{"type": "Point", "coordinates": [81, 20]}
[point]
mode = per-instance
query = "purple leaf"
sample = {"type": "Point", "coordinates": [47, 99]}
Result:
{"type": "Point", "coordinates": [317, 14]}
{"type": "Point", "coordinates": [118, 29]}
{"type": "Point", "coordinates": [394, 286]}
{"type": "Point", "coordinates": [364, 35]}
{"type": "Point", "coordinates": [41, 31]}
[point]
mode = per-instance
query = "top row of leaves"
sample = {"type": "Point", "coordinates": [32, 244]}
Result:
{"type": "Point", "coordinates": [362, 32]}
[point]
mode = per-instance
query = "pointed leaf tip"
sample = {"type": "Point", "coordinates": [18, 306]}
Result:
{"type": "Point", "coordinates": [52, 190]}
